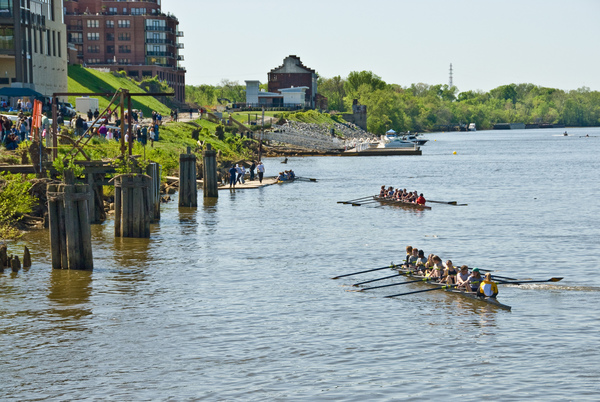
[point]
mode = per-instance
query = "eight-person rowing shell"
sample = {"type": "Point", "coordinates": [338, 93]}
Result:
{"type": "Point", "coordinates": [401, 195]}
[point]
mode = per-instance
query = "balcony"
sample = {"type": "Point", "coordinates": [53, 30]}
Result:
{"type": "Point", "coordinates": [179, 45]}
{"type": "Point", "coordinates": [154, 28]}
{"type": "Point", "coordinates": [159, 41]}
{"type": "Point", "coordinates": [180, 58]}
{"type": "Point", "coordinates": [76, 40]}
{"type": "Point", "coordinates": [75, 27]}
{"type": "Point", "coordinates": [180, 34]}
{"type": "Point", "coordinates": [160, 54]}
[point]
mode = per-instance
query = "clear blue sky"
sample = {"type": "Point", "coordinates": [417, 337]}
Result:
{"type": "Point", "coordinates": [489, 42]}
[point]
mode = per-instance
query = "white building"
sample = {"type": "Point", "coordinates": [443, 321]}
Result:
{"type": "Point", "coordinates": [286, 97]}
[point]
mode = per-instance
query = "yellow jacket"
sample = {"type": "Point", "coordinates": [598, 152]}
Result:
{"type": "Point", "coordinates": [488, 288]}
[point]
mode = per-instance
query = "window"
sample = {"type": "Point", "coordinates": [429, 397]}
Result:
{"type": "Point", "coordinates": [110, 49]}
{"type": "Point", "coordinates": [93, 61]}
{"type": "Point", "coordinates": [54, 43]}
{"type": "Point", "coordinates": [124, 61]}
{"type": "Point", "coordinates": [110, 24]}
{"type": "Point", "coordinates": [124, 36]}
{"type": "Point", "coordinates": [112, 10]}
{"type": "Point", "coordinates": [93, 49]}
{"type": "Point", "coordinates": [124, 49]}
{"type": "Point", "coordinates": [138, 11]}
{"type": "Point", "coordinates": [93, 36]}
{"type": "Point", "coordinates": [48, 43]}
{"type": "Point", "coordinates": [124, 23]}
{"type": "Point", "coordinates": [76, 37]}
{"type": "Point", "coordinates": [59, 46]}
{"type": "Point", "coordinates": [93, 23]}
{"type": "Point", "coordinates": [110, 37]}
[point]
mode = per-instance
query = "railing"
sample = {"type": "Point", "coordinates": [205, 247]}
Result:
{"type": "Point", "coordinates": [164, 54]}
{"type": "Point", "coordinates": [180, 34]}
{"type": "Point", "coordinates": [75, 27]}
{"type": "Point", "coordinates": [159, 41]}
{"type": "Point", "coordinates": [180, 58]}
{"type": "Point", "coordinates": [179, 46]}
{"type": "Point", "coordinates": [159, 28]}
{"type": "Point", "coordinates": [76, 40]}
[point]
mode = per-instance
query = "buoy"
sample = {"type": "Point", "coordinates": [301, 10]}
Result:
{"type": "Point", "coordinates": [454, 153]}
{"type": "Point", "coordinates": [434, 140]}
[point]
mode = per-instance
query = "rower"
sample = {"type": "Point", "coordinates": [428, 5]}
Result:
{"type": "Point", "coordinates": [421, 261]}
{"type": "Point", "coordinates": [408, 255]}
{"type": "Point", "coordinates": [488, 288]}
{"type": "Point", "coordinates": [382, 192]}
{"type": "Point", "coordinates": [474, 280]}
{"type": "Point", "coordinates": [390, 192]}
{"type": "Point", "coordinates": [450, 273]}
{"type": "Point", "coordinates": [412, 260]}
{"type": "Point", "coordinates": [438, 269]}
{"type": "Point", "coordinates": [421, 200]}
{"type": "Point", "coordinates": [462, 279]}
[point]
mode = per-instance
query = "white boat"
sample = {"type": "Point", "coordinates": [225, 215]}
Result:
{"type": "Point", "coordinates": [414, 138]}
{"type": "Point", "coordinates": [395, 141]}
{"type": "Point", "coordinates": [471, 127]}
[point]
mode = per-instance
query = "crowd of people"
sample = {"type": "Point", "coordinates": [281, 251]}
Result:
{"type": "Point", "coordinates": [286, 175]}
{"type": "Point", "coordinates": [402, 195]}
{"type": "Point", "coordinates": [446, 273]}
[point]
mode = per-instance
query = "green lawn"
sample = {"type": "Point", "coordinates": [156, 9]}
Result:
{"type": "Point", "coordinates": [89, 80]}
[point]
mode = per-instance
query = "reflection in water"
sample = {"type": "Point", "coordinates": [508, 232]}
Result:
{"type": "Point", "coordinates": [188, 221]}
{"type": "Point", "coordinates": [70, 288]}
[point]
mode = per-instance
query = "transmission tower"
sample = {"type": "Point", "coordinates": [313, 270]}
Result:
{"type": "Point", "coordinates": [450, 84]}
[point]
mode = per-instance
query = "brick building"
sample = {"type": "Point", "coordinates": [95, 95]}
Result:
{"type": "Point", "coordinates": [292, 73]}
{"type": "Point", "coordinates": [33, 50]}
{"type": "Point", "coordinates": [132, 36]}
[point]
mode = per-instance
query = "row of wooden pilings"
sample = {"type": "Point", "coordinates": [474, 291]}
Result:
{"type": "Point", "coordinates": [137, 205]}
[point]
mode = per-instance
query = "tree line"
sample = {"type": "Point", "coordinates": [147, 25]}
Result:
{"type": "Point", "coordinates": [423, 107]}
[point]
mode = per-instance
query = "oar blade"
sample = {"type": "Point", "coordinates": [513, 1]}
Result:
{"type": "Point", "coordinates": [555, 279]}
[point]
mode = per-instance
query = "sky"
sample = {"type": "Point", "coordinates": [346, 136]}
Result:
{"type": "Point", "coordinates": [490, 43]}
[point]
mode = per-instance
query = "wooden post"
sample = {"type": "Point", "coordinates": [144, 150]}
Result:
{"type": "Point", "coordinates": [153, 170]}
{"type": "Point", "coordinates": [97, 214]}
{"type": "Point", "coordinates": [70, 233]}
{"type": "Point", "coordinates": [26, 258]}
{"type": "Point", "coordinates": [209, 173]}
{"type": "Point", "coordinates": [132, 206]}
{"type": "Point", "coordinates": [3, 256]}
{"type": "Point", "coordinates": [188, 189]}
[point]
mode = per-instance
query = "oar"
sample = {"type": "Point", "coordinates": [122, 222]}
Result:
{"type": "Point", "coordinates": [444, 202]}
{"type": "Point", "coordinates": [394, 284]}
{"type": "Point", "coordinates": [422, 291]}
{"type": "Point", "coordinates": [368, 270]}
{"type": "Point", "coordinates": [357, 199]}
{"type": "Point", "coordinates": [379, 279]}
{"type": "Point", "coordinates": [364, 203]}
{"type": "Point", "coordinates": [522, 282]}
{"type": "Point", "coordinates": [306, 178]}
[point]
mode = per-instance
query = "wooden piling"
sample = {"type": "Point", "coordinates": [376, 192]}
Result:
{"type": "Point", "coordinates": [132, 206]}
{"type": "Point", "coordinates": [26, 258]}
{"type": "Point", "coordinates": [15, 264]}
{"type": "Point", "coordinates": [70, 233]}
{"type": "Point", "coordinates": [210, 184]}
{"type": "Point", "coordinates": [3, 256]}
{"type": "Point", "coordinates": [188, 189]}
{"type": "Point", "coordinates": [153, 170]}
{"type": "Point", "coordinates": [94, 181]}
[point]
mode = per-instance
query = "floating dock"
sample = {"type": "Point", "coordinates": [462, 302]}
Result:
{"type": "Point", "coordinates": [383, 152]}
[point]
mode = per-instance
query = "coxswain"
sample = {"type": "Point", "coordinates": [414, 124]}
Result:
{"type": "Point", "coordinates": [421, 200]}
{"type": "Point", "coordinates": [474, 280]}
{"type": "Point", "coordinates": [488, 288]}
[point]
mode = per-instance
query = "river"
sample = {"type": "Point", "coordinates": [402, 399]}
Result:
{"type": "Point", "coordinates": [234, 301]}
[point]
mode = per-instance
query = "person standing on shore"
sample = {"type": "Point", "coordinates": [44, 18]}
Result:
{"type": "Point", "coordinates": [232, 176]}
{"type": "Point", "coordinates": [252, 167]}
{"type": "Point", "coordinates": [261, 171]}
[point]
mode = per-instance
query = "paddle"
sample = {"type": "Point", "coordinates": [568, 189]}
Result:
{"type": "Point", "coordinates": [444, 202]}
{"type": "Point", "coordinates": [356, 199]}
{"type": "Point", "coordinates": [379, 279]}
{"type": "Point", "coordinates": [364, 203]}
{"type": "Point", "coordinates": [368, 270]}
{"type": "Point", "coordinates": [423, 291]}
{"type": "Point", "coordinates": [522, 282]}
{"type": "Point", "coordinates": [394, 284]}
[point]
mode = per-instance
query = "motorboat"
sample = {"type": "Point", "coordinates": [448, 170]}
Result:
{"type": "Point", "coordinates": [471, 127]}
{"type": "Point", "coordinates": [414, 138]}
{"type": "Point", "coordinates": [395, 141]}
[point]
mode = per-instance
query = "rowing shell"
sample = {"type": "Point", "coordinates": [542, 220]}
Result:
{"type": "Point", "coordinates": [471, 295]}
{"type": "Point", "coordinates": [388, 201]}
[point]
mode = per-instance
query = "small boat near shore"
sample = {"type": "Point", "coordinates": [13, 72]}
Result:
{"type": "Point", "coordinates": [470, 295]}
{"type": "Point", "coordinates": [389, 201]}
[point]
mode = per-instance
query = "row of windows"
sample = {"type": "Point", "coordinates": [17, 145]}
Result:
{"type": "Point", "coordinates": [48, 42]}
{"type": "Point", "coordinates": [108, 61]}
{"type": "Point", "coordinates": [109, 23]}
{"type": "Point", "coordinates": [109, 49]}
{"type": "Point", "coordinates": [77, 37]}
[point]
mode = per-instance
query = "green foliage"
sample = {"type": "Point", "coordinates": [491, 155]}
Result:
{"type": "Point", "coordinates": [15, 200]}
{"type": "Point", "coordinates": [60, 166]}
{"type": "Point", "coordinates": [220, 132]}
{"type": "Point", "coordinates": [209, 95]}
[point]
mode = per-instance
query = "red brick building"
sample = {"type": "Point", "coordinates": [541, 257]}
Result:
{"type": "Point", "coordinates": [292, 73]}
{"type": "Point", "coordinates": [132, 36]}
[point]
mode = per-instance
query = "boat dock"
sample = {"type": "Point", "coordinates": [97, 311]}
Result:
{"type": "Point", "coordinates": [383, 152]}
